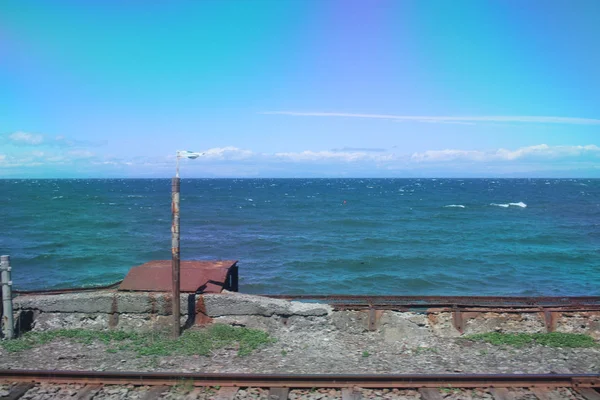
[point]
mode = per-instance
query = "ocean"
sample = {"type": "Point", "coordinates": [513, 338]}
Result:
{"type": "Point", "coordinates": [529, 237]}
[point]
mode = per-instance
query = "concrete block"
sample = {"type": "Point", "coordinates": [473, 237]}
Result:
{"type": "Point", "coordinates": [267, 324]}
{"type": "Point", "coordinates": [441, 324]}
{"type": "Point", "coordinates": [87, 302]}
{"type": "Point", "coordinates": [107, 302]}
{"type": "Point", "coordinates": [580, 322]}
{"type": "Point", "coordinates": [405, 327]}
{"type": "Point", "coordinates": [53, 321]}
{"type": "Point", "coordinates": [243, 304]}
{"type": "Point", "coordinates": [505, 322]}
{"type": "Point", "coordinates": [311, 323]}
{"type": "Point", "coordinates": [355, 322]}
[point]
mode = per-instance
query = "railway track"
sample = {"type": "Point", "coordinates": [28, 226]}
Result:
{"type": "Point", "coordinates": [489, 303]}
{"type": "Point", "coordinates": [25, 384]}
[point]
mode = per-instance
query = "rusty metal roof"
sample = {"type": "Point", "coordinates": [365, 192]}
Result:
{"type": "Point", "coordinates": [155, 276]}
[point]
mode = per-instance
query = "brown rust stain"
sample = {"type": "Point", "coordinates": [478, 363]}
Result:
{"type": "Point", "coordinates": [457, 321]}
{"type": "Point", "coordinates": [470, 315]}
{"type": "Point", "coordinates": [153, 305]}
{"type": "Point", "coordinates": [433, 318]}
{"type": "Point", "coordinates": [168, 298]}
{"type": "Point", "coordinates": [374, 317]}
{"type": "Point", "coordinates": [550, 319]}
{"type": "Point", "coordinates": [113, 320]}
{"type": "Point", "coordinates": [201, 316]}
{"type": "Point", "coordinates": [460, 319]}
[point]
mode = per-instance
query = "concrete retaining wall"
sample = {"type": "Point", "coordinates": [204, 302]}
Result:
{"type": "Point", "coordinates": [111, 309]}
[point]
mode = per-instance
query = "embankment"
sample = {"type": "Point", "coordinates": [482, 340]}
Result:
{"type": "Point", "coordinates": [112, 309]}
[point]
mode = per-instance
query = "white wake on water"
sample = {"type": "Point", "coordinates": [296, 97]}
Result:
{"type": "Point", "coordinates": [454, 206]}
{"type": "Point", "coordinates": [506, 205]}
{"type": "Point", "coordinates": [519, 204]}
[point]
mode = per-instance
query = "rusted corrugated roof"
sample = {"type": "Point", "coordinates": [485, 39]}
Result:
{"type": "Point", "coordinates": [156, 276]}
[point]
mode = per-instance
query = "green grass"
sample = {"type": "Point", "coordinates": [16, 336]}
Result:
{"type": "Point", "coordinates": [191, 342]}
{"type": "Point", "coordinates": [450, 389]}
{"type": "Point", "coordinates": [365, 354]}
{"type": "Point", "coordinates": [554, 339]}
{"type": "Point", "coordinates": [421, 350]}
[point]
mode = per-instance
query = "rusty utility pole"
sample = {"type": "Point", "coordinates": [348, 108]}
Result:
{"type": "Point", "coordinates": [175, 255]}
{"type": "Point", "coordinates": [175, 258]}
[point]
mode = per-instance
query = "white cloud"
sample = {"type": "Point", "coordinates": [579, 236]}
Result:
{"type": "Point", "coordinates": [361, 149]}
{"type": "Point", "coordinates": [542, 151]}
{"type": "Point", "coordinates": [343, 161]}
{"type": "Point", "coordinates": [448, 155]}
{"type": "Point", "coordinates": [381, 157]}
{"type": "Point", "coordinates": [447, 119]}
{"type": "Point", "coordinates": [227, 153]}
{"type": "Point", "coordinates": [26, 138]}
{"type": "Point", "coordinates": [80, 153]}
{"type": "Point", "coordinates": [344, 156]}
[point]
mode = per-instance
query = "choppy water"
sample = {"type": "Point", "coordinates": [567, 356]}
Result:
{"type": "Point", "coordinates": [353, 236]}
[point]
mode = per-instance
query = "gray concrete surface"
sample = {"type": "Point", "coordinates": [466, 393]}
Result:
{"type": "Point", "coordinates": [109, 309]}
{"type": "Point", "coordinates": [229, 303]}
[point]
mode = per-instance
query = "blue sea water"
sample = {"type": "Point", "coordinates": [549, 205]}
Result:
{"type": "Point", "coordinates": [316, 236]}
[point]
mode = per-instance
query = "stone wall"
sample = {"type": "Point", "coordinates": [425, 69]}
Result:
{"type": "Point", "coordinates": [111, 309]}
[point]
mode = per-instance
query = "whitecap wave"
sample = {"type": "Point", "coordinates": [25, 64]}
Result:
{"type": "Point", "coordinates": [519, 204]}
{"type": "Point", "coordinates": [506, 205]}
{"type": "Point", "coordinates": [454, 206]}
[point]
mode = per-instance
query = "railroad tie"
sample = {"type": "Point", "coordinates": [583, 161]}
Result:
{"type": "Point", "coordinates": [278, 393]}
{"type": "Point", "coordinates": [18, 391]}
{"type": "Point", "coordinates": [226, 393]}
{"type": "Point", "coordinates": [430, 394]}
{"type": "Point", "coordinates": [588, 393]}
{"type": "Point", "coordinates": [351, 394]}
{"type": "Point", "coordinates": [501, 394]}
{"type": "Point", "coordinates": [155, 392]}
{"type": "Point", "coordinates": [544, 393]}
{"type": "Point", "coordinates": [88, 392]}
{"type": "Point", "coordinates": [195, 394]}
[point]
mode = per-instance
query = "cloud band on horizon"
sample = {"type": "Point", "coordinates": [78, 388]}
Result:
{"type": "Point", "coordinates": [445, 119]}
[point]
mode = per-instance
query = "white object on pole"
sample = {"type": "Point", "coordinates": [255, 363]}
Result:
{"type": "Point", "coordinates": [185, 154]}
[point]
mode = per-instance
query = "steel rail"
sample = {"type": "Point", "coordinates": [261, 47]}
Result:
{"type": "Point", "coordinates": [344, 301]}
{"type": "Point", "coordinates": [305, 381]}
{"type": "Point", "coordinates": [509, 302]}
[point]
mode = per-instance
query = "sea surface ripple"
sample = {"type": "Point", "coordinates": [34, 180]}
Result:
{"type": "Point", "coordinates": [318, 236]}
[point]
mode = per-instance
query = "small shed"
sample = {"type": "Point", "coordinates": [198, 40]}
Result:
{"type": "Point", "coordinates": [196, 277]}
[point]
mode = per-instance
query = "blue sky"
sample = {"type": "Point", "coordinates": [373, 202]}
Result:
{"type": "Point", "coordinates": [300, 88]}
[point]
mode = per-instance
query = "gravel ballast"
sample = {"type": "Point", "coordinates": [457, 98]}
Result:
{"type": "Point", "coordinates": [315, 347]}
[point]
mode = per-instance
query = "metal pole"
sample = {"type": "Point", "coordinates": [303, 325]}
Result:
{"type": "Point", "coordinates": [175, 185]}
{"type": "Point", "coordinates": [7, 319]}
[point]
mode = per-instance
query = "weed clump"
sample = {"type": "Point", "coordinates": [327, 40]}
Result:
{"type": "Point", "coordinates": [553, 339]}
{"type": "Point", "coordinates": [191, 342]}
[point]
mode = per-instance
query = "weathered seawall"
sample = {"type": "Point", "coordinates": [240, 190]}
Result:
{"type": "Point", "coordinates": [111, 309]}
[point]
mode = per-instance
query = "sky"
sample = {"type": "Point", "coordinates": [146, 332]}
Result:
{"type": "Point", "coordinates": [300, 88]}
